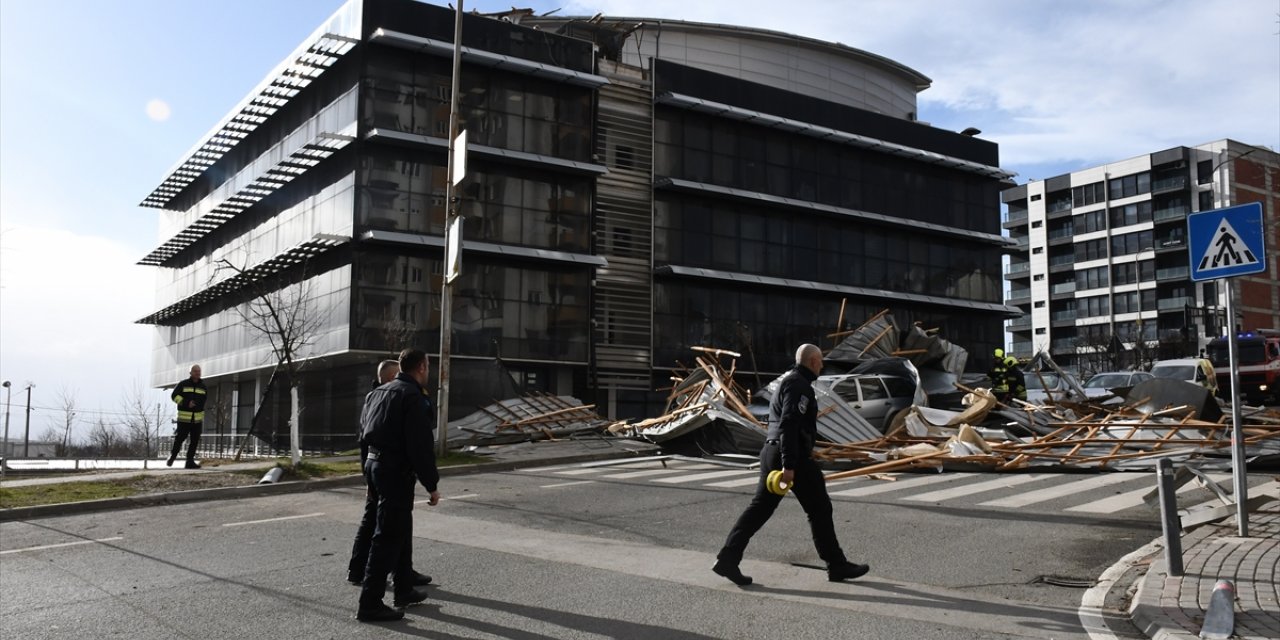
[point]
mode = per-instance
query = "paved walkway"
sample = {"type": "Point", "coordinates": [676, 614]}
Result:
{"type": "Point", "coordinates": [1173, 607]}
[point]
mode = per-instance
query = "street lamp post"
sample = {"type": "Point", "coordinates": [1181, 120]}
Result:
{"type": "Point", "coordinates": [8, 395]}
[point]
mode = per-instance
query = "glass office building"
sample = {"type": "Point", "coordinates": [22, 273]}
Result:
{"type": "Point", "coordinates": [633, 189]}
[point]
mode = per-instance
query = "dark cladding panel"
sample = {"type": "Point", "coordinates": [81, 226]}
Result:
{"type": "Point", "coordinates": [1170, 155]}
{"type": "Point", "coordinates": [1057, 183]}
{"type": "Point", "coordinates": [676, 78]}
{"type": "Point", "coordinates": [1013, 195]}
{"type": "Point", "coordinates": [488, 34]}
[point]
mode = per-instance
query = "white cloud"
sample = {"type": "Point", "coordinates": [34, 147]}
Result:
{"type": "Point", "coordinates": [158, 110]}
{"type": "Point", "coordinates": [1087, 81]}
{"type": "Point", "coordinates": [67, 308]}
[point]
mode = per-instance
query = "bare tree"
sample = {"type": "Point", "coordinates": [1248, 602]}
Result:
{"type": "Point", "coordinates": [141, 423]}
{"type": "Point", "coordinates": [282, 312]}
{"type": "Point", "coordinates": [66, 420]}
{"type": "Point", "coordinates": [106, 438]}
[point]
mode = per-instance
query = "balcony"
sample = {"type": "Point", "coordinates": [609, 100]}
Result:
{"type": "Point", "coordinates": [1016, 218]}
{"type": "Point", "coordinates": [1063, 345]}
{"type": "Point", "coordinates": [1170, 243]}
{"type": "Point", "coordinates": [1066, 287]}
{"type": "Point", "coordinates": [1173, 273]}
{"type": "Point", "coordinates": [1175, 304]}
{"type": "Point", "coordinates": [1169, 184]}
{"type": "Point", "coordinates": [1019, 298]}
{"type": "Point", "coordinates": [1059, 206]}
{"type": "Point", "coordinates": [1021, 324]}
{"type": "Point", "coordinates": [1064, 316]}
{"type": "Point", "coordinates": [1171, 213]}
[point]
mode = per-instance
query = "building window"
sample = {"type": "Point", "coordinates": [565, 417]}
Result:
{"type": "Point", "coordinates": [1204, 172]}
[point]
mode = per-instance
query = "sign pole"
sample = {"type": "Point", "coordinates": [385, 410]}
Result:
{"type": "Point", "coordinates": [447, 274]}
{"type": "Point", "coordinates": [1237, 432]}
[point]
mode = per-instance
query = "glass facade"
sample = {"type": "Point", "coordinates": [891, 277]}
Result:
{"type": "Point", "coordinates": [500, 309]}
{"type": "Point", "coordinates": [409, 92]}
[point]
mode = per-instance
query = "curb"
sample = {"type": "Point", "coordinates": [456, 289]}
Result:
{"type": "Point", "coordinates": [295, 486]}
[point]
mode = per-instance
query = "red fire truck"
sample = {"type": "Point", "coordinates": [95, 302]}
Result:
{"type": "Point", "coordinates": [1258, 356]}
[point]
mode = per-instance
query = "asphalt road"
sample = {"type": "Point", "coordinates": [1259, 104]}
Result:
{"type": "Point", "coordinates": [583, 553]}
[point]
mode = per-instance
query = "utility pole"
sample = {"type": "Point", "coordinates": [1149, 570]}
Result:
{"type": "Point", "coordinates": [26, 435]}
{"type": "Point", "coordinates": [453, 242]}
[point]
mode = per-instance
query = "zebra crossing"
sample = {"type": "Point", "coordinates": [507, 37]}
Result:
{"type": "Point", "coordinates": [1086, 493]}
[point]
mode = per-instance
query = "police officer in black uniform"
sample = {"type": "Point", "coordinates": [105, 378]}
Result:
{"type": "Point", "coordinates": [387, 370]}
{"type": "Point", "coordinates": [396, 430]}
{"type": "Point", "coordinates": [793, 429]}
{"type": "Point", "coordinates": [190, 396]}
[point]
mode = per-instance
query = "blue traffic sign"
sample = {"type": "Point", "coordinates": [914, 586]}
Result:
{"type": "Point", "coordinates": [1226, 242]}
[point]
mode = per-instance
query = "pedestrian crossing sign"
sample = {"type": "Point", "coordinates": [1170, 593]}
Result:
{"type": "Point", "coordinates": [1226, 242]}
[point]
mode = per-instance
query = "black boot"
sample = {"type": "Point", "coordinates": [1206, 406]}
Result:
{"type": "Point", "coordinates": [846, 571]}
{"type": "Point", "coordinates": [379, 613]}
{"type": "Point", "coordinates": [406, 598]}
{"type": "Point", "coordinates": [731, 571]}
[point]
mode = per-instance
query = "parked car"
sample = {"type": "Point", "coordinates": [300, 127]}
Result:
{"type": "Point", "coordinates": [1194, 370]}
{"type": "Point", "coordinates": [876, 397]}
{"type": "Point", "coordinates": [1101, 384]}
{"type": "Point", "coordinates": [1046, 386]}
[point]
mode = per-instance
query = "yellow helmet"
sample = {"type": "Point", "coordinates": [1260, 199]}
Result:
{"type": "Point", "coordinates": [999, 352]}
{"type": "Point", "coordinates": [1011, 361]}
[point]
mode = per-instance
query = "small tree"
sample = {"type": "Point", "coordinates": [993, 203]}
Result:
{"type": "Point", "coordinates": [141, 423]}
{"type": "Point", "coordinates": [106, 438]}
{"type": "Point", "coordinates": [66, 420]}
{"type": "Point", "coordinates": [281, 311]}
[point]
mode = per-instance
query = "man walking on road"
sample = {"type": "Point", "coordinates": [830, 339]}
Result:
{"type": "Point", "coordinates": [396, 430]}
{"type": "Point", "coordinates": [793, 429]}
{"type": "Point", "coordinates": [387, 371]}
{"type": "Point", "coordinates": [189, 395]}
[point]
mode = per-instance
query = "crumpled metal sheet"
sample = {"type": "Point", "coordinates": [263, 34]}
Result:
{"type": "Point", "coordinates": [1159, 394]}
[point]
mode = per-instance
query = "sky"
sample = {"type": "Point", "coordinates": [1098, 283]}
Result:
{"type": "Point", "coordinates": [100, 100]}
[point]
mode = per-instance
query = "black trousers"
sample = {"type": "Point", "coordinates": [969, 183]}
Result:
{"type": "Point", "coordinates": [808, 487]}
{"type": "Point", "coordinates": [393, 526]}
{"type": "Point", "coordinates": [185, 430]}
{"type": "Point", "coordinates": [364, 538]}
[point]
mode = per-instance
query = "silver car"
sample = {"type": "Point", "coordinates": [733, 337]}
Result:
{"type": "Point", "coordinates": [877, 398]}
{"type": "Point", "coordinates": [1101, 384]}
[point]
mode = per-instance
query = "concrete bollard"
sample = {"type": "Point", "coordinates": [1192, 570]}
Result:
{"type": "Point", "coordinates": [273, 476]}
{"type": "Point", "coordinates": [1220, 619]}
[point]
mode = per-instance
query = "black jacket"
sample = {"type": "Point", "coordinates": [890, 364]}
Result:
{"type": "Point", "coordinates": [190, 391]}
{"type": "Point", "coordinates": [397, 422]}
{"type": "Point", "coordinates": [793, 416]}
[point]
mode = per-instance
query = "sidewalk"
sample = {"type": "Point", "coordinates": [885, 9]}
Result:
{"type": "Point", "coordinates": [1173, 607]}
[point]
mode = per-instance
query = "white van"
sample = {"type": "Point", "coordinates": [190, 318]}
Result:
{"type": "Point", "coordinates": [1194, 370]}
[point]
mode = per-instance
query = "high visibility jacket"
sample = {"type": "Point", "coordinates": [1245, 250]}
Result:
{"type": "Point", "coordinates": [999, 377]}
{"type": "Point", "coordinates": [190, 395]}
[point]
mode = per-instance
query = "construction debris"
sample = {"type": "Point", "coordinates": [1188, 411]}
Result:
{"type": "Point", "coordinates": [535, 416]}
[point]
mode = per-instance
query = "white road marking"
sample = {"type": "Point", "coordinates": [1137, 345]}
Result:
{"type": "Point", "coordinates": [648, 472]}
{"type": "Point", "coordinates": [872, 487]}
{"type": "Point", "coordinates": [1065, 489]}
{"type": "Point", "coordinates": [240, 524]}
{"type": "Point", "coordinates": [738, 482]}
{"type": "Point", "coordinates": [1134, 498]}
{"type": "Point", "coordinates": [566, 484]}
{"type": "Point", "coordinates": [708, 476]}
{"type": "Point", "coordinates": [1002, 482]}
{"type": "Point", "coordinates": [63, 544]}
{"type": "Point", "coordinates": [581, 472]}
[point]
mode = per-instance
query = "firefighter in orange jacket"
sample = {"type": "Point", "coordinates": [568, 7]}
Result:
{"type": "Point", "coordinates": [190, 396]}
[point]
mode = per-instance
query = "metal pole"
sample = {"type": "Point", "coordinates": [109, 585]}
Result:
{"type": "Point", "coordinates": [8, 395]}
{"type": "Point", "coordinates": [1237, 435]}
{"type": "Point", "coordinates": [1169, 520]}
{"type": "Point", "coordinates": [446, 288]}
{"type": "Point", "coordinates": [26, 435]}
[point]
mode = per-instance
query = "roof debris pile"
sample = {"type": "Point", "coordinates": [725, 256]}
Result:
{"type": "Point", "coordinates": [531, 417]}
{"type": "Point", "coordinates": [1130, 437]}
{"type": "Point", "coordinates": [706, 411]}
